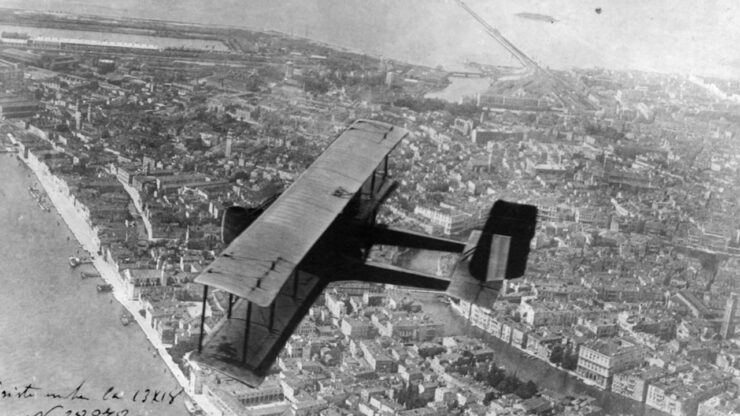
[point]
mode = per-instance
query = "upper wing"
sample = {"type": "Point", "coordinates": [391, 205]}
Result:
{"type": "Point", "coordinates": [258, 262]}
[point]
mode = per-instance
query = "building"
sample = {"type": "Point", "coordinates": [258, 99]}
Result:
{"type": "Point", "coordinates": [135, 280]}
{"type": "Point", "coordinates": [480, 316]}
{"type": "Point", "coordinates": [551, 173]}
{"type": "Point", "coordinates": [519, 336]}
{"type": "Point", "coordinates": [223, 399]}
{"type": "Point", "coordinates": [176, 181]}
{"type": "Point", "coordinates": [335, 304]}
{"type": "Point", "coordinates": [498, 101]}
{"type": "Point", "coordinates": [234, 398]}
{"type": "Point", "coordinates": [76, 44]}
{"type": "Point", "coordinates": [634, 383]}
{"type": "Point", "coordinates": [601, 359]}
{"type": "Point", "coordinates": [401, 329]}
{"type": "Point", "coordinates": [547, 314]}
{"type": "Point", "coordinates": [11, 76]}
{"type": "Point", "coordinates": [728, 319]}
{"type": "Point", "coordinates": [268, 392]}
{"type": "Point", "coordinates": [494, 326]}
{"type": "Point", "coordinates": [601, 328]}
{"type": "Point", "coordinates": [629, 179]}
{"type": "Point", "coordinates": [694, 304]}
{"type": "Point", "coordinates": [450, 221]}
{"type": "Point", "coordinates": [681, 393]}
{"type": "Point", "coordinates": [377, 358]}
{"type": "Point", "coordinates": [591, 216]}
{"type": "Point", "coordinates": [25, 57]}
{"type": "Point", "coordinates": [423, 411]}
{"type": "Point", "coordinates": [542, 341]}
{"type": "Point", "coordinates": [357, 328]}
{"type": "Point", "coordinates": [484, 136]}
{"type": "Point", "coordinates": [506, 329]}
{"type": "Point", "coordinates": [356, 288]}
{"type": "Point", "coordinates": [464, 126]}
{"type": "Point", "coordinates": [57, 62]}
{"type": "Point", "coordinates": [725, 404]}
{"type": "Point", "coordinates": [17, 107]}
{"type": "Point", "coordinates": [305, 405]}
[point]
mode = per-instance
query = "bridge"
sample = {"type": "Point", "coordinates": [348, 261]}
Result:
{"type": "Point", "coordinates": [498, 37]}
{"type": "Point", "coordinates": [568, 96]}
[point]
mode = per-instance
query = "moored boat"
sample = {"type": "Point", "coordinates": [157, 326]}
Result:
{"type": "Point", "coordinates": [76, 261]}
{"type": "Point", "coordinates": [126, 318]}
{"type": "Point", "coordinates": [103, 288]}
{"type": "Point", "coordinates": [89, 275]}
{"type": "Point", "coordinates": [192, 407]}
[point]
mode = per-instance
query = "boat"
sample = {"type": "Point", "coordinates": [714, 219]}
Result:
{"type": "Point", "coordinates": [38, 196]}
{"type": "Point", "coordinates": [126, 318]}
{"type": "Point", "coordinates": [88, 275]}
{"type": "Point", "coordinates": [104, 288]}
{"type": "Point", "coordinates": [76, 261]}
{"type": "Point", "coordinates": [191, 406]}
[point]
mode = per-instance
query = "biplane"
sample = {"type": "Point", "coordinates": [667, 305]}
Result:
{"type": "Point", "coordinates": [282, 254]}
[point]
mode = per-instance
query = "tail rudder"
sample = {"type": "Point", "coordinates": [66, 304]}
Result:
{"type": "Point", "coordinates": [502, 249]}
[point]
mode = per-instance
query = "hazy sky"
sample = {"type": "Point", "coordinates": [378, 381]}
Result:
{"type": "Point", "coordinates": [684, 36]}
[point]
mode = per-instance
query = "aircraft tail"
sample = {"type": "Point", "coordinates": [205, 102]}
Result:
{"type": "Point", "coordinates": [502, 249]}
{"type": "Point", "coordinates": [499, 252]}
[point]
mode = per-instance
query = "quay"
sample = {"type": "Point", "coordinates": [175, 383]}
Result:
{"type": "Point", "coordinates": [89, 241]}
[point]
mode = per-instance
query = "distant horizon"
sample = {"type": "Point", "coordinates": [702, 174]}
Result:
{"type": "Point", "coordinates": [659, 37]}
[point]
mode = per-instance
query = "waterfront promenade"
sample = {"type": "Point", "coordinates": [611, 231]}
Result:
{"type": "Point", "coordinates": [82, 232]}
{"type": "Point", "coordinates": [58, 332]}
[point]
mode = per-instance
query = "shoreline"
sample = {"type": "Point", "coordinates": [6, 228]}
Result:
{"type": "Point", "coordinates": [87, 239]}
{"type": "Point", "coordinates": [183, 29]}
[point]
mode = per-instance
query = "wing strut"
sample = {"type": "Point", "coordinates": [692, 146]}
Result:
{"type": "Point", "coordinates": [203, 318]}
{"type": "Point", "coordinates": [246, 332]}
{"type": "Point", "coordinates": [231, 304]}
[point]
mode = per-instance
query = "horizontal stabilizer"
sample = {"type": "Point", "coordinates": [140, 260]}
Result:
{"type": "Point", "coordinates": [474, 291]}
{"type": "Point", "coordinates": [463, 286]}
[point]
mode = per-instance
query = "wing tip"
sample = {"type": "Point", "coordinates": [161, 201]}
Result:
{"type": "Point", "coordinates": [261, 299]}
{"type": "Point", "coordinates": [251, 377]}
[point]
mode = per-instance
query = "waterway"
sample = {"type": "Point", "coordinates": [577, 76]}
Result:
{"type": "Point", "coordinates": [432, 305]}
{"type": "Point", "coordinates": [461, 88]}
{"type": "Point", "coordinates": [56, 331]}
{"type": "Point", "coordinates": [528, 368]}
